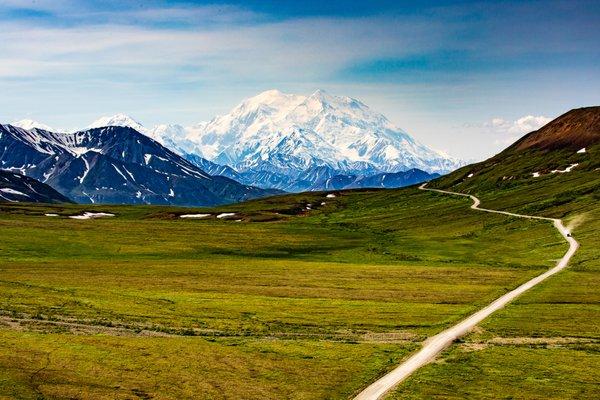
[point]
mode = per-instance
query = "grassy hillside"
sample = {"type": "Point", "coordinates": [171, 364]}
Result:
{"type": "Point", "coordinates": [287, 303]}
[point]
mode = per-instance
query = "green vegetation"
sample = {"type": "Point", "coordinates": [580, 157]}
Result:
{"type": "Point", "coordinates": [287, 303]}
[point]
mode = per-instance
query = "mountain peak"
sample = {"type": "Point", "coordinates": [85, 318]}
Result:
{"type": "Point", "coordinates": [118, 120]}
{"type": "Point", "coordinates": [29, 124]}
{"type": "Point", "coordinates": [271, 98]}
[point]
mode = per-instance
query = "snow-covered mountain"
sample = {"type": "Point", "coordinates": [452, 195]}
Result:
{"type": "Point", "coordinates": [292, 142]}
{"type": "Point", "coordinates": [289, 133]}
{"type": "Point", "coordinates": [278, 132]}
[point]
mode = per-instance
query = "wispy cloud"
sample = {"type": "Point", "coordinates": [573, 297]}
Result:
{"type": "Point", "coordinates": [294, 49]}
{"type": "Point", "coordinates": [507, 131]}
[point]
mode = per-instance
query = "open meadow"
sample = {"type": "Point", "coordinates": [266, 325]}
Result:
{"type": "Point", "coordinates": [287, 303]}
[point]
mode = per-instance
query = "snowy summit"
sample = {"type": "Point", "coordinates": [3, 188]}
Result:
{"type": "Point", "coordinates": [31, 124]}
{"type": "Point", "coordinates": [118, 120]}
{"type": "Point", "coordinates": [275, 131]}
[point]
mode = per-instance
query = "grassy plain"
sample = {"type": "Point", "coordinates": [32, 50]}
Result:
{"type": "Point", "coordinates": [287, 303]}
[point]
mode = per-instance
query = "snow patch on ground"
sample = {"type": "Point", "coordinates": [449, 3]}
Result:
{"type": "Point", "coordinates": [330, 196]}
{"type": "Point", "coordinates": [51, 215]}
{"type": "Point", "coordinates": [470, 175]}
{"type": "Point", "coordinates": [90, 215]}
{"type": "Point", "coordinates": [580, 151]}
{"type": "Point", "coordinates": [225, 215]}
{"type": "Point", "coordinates": [536, 174]}
{"type": "Point", "coordinates": [194, 216]}
{"type": "Point", "coordinates": [562, 171]}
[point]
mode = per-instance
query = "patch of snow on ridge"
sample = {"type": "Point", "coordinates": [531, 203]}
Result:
{"type": "Point", "coordinates": [225, 215]}
{"type": "Point", "coordinates": [580, 151]}
{"type": "Point", "coordinates": [330, 196]}
{"type": "Point", "coordinates": [195, 216]}
{"type": "Point", "coordinates": [470, 175]}
{"type": "Point", "coordinates": [79, 151]}
{"type": "Point", "coordinates": [51, 215]}
{"type": "Point", "coordinates": [91, 215]}
{"type": "Point", "coordinates": [536, 174]}
{"type": "Point", "coordinates": [568, 169]}
{"type": "Point", "coordinates": [13, 191]}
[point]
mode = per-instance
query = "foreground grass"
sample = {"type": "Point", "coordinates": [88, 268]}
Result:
{"type": "Point", "coordinates": [525, 371]}
{"type": "Point", "coordinates": [53, 365]}
{"type": "Point", "coordinates": [288, 303]}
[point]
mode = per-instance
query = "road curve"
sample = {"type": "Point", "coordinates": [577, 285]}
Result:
{"type": "Point", "coordinates": [436, 344]}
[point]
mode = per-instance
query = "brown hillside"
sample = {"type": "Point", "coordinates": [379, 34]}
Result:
{"type": "Point", "coordinates": [575, 129]}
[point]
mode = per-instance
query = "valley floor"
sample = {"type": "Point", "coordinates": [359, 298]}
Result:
{"type": "Point", "coordinates": [289, 302]}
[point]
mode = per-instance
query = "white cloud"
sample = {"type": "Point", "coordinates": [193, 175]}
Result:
{"type": "Point", "coordinates": [239, 46]}
{"type": "Point", "coordinates": [511, 130]}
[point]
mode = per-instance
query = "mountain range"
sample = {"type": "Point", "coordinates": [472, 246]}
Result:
{"type": "Point", "coordinates": [295, 143]}
{"type": "Point", "coordinates": [270, 142]}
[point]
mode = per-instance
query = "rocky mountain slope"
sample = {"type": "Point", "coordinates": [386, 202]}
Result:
{"type": "Point", "coordinates": [114, 165]}
{"type": "Point", "coordinates": [20, 188]}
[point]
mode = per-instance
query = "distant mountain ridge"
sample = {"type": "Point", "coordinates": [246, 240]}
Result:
{"type": "Point", "coordinates": [115, 165]}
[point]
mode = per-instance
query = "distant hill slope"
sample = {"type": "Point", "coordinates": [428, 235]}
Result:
{"type": "Point", "coordinates": [568, 145]}
{"type": "Point", "coordinates": [391, 180]}
{"type": "Point", "coordinates": [574, 130]}
{"type": "Point", "coordinates": [20, 188]}
{"type": "Point", "coordinates": [115, 165]}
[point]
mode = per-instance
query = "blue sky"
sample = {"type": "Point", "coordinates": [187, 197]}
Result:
{"type": "Point", "coordinates": [458, 75]}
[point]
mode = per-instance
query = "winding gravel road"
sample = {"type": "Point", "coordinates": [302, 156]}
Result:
{"type": "Point", "coordinates": [436, 344]}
